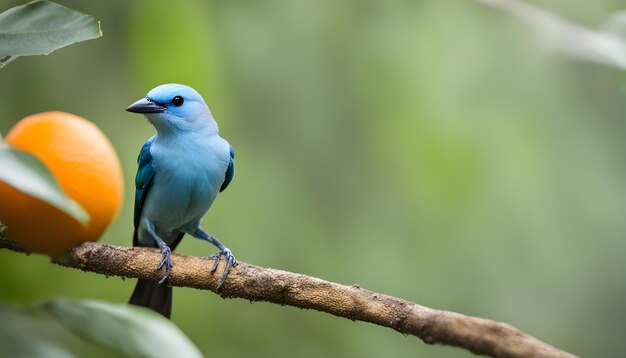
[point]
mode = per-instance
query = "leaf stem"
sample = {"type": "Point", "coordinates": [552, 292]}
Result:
{"type": "Point", "coordinates": [6, 60]}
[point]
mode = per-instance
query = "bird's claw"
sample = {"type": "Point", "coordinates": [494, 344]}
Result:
{"type": "Point", "coordinates": [230, 261]}
{"type": "Point", "coordinates": [166, 261]}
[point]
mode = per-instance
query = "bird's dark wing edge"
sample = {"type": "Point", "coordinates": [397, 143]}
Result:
{"type": "Point", "coordinates": [230, 172]}
{"type": "Point", "coordinates": [143, 181]}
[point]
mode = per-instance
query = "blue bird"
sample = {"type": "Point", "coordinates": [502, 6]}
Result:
{"type": "Point", "coordinates": [181, 170]}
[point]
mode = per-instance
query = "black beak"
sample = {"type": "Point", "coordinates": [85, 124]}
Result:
{"type": "Point", "coordinates": [146, 105]}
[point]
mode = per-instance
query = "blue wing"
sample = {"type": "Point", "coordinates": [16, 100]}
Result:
{"type": "Point", "coordinates": [230, 172]}
{"type": "Point", "coordinates": [143, 181]}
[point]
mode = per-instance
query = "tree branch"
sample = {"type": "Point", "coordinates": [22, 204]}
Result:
{"type": "Point", "coordinates": [254, 283]}
{"type": "Point", "coordinates": [605, 45]}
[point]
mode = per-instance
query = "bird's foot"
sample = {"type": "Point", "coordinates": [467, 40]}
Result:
{"type": "Point", "coordinates": [230, 261]}
{"type": "Point", "coordinates": [166, 261]}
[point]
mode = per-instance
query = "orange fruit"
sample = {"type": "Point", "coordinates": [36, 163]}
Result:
{"type": "Point", "coordinates": [86, 167]}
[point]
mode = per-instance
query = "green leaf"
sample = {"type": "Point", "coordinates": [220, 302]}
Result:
{"type": "Point", "coordinates": [40, 27]}
{"type": "Point", "coordinates": [81, 328]}
{"type": "Point", "coordinates": [132, 330]}
{"type": "Point", "coordinates": [32, 332]}
{"type": "Point", "coordinates": [26, 173]}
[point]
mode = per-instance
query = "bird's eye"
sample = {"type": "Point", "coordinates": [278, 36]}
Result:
{"type": "Point", "coordinates": [178, 101]}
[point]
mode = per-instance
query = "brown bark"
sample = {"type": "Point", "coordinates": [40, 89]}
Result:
{"type": "Point", "coordinates": [254, 283]}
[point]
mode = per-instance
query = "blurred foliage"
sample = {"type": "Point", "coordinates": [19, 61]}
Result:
{"type": "Point", "coordinates": [68, 328]}
{"type": "Point", "coordinates": [430, 150]}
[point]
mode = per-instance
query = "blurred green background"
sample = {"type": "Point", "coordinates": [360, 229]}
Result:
{"type": "Point", "coordinates": [430, 150]}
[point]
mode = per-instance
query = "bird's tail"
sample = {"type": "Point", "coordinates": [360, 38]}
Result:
{"type": "Point", "coordinates": [153, 295]}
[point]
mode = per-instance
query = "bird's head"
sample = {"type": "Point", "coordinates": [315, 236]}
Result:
{"type": "Point", "coordinates": [175, 108]}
